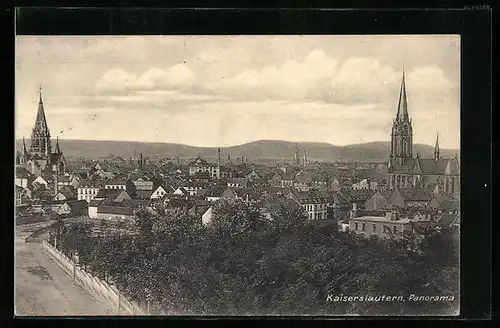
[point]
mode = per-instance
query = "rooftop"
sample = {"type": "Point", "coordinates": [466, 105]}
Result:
{"type": "Point", "coordinates": [382, 219]}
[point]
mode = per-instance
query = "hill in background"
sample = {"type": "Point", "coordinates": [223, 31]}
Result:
{"type": "Point", "coordinates": [263, 149]}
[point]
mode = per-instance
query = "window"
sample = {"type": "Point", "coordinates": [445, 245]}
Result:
{"type": "Point", "coordinates": [394, 229]}
{"type": "Point", "coordinates": [356, 226]}
{"type": "Point", "coordinates": [374, 227]}
{"type": "Point", "coordinates": [363, 227]}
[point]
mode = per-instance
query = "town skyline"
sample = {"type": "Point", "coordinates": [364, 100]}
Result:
{"type": "Point", "coordinates": [301, 91]}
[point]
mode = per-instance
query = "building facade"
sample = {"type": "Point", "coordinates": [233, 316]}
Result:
{"type": "Point", "coordinates": [40, 159]}
{"type": "Point", "coordinates": [88, 189]}
{"type": "Point", "coordinates": [406, 170]}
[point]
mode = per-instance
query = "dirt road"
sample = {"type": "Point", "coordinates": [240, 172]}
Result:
{"type": "Point", "coordinates": [42, 288]}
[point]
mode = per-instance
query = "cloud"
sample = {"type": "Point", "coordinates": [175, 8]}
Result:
{"type": "Point", "coordinates": [320, 77]}
{"type": "Point", "coordinates": [292, 80]}
{"type": "Point", "coordinates": [176, 76]}
{"type": "Point", "coordinates": [119, 80]}
{"type": "Point", "coordinates": [316, 77]}
{"type": "Point", "coordinates": [429, 82]}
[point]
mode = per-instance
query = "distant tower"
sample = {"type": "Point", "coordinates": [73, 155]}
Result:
{"type": "Point", "coordinates": [305, 158]}
{"type": "Point", "coordinates": [218, 163]}
{"type": "Point", "coordinates": [24, 154]}
{"type": "Point", "coordinates": [296, 158]}
{"type": "Point", "coordinates": [436, 148]}
{"type": "Point", "coordinates": [402, 131]}
{"type": "Point", "coordinates": [40, 136]}
{"type": "Point", "coordinates": [58, 149]}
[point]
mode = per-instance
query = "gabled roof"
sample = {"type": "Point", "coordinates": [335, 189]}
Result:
{"type": "Point", "coordinates": [109, 207]}
{"type": "Point", "coordinates": [446, 219]}
{"type": "Point", "coordinates": [22, 172]}
{"type": "Point", "coordinates": [303, 177]}
{"type": "Point", "coordinates": [252, 193]}
{"type": "Point", "coordinates": [450, 205]}
{"type": "Point", "coordinates": [214, 191]}
{"type": "Point", "coordinates": [109, 193]}
{"type": "Point", "coordinates": [416, 194]}
{"type": "Point", "coordinates": [117, 181]}
{"type": "Point", "coordinates": [183, 190]}
{"type": "Point", "coordinates": [339, 199]}
{"type": "Point", "coordinates": [63, 178]}
{"type": "Point", "coordinates": [311, 197]}
{"type": "Point", "coordinates": [95, 202]}
{"type": "Point", "coordinates": [90, 183]}
{"type": "Point", "coordinates": [275, 204]}
{"type": "Point", "coordinates": [199, 162]}
{"type": "Point", "coordinates": [193, 184]}
{"type": "Point", "coordinates": [242, 181]}
{"type": "Point", "coordinates": [143, 194]}
{"type": "Point", "coordinates": [67, 194]}
{"type": "Point", "coordinates": [356, 195]}
{"type": "Point", "coordinates": [361, 213]}
{"type": "Point", "coordinates": [55, 158]}
{"type": "Point", "coordinates": [179, 203]}
{"type": "Point", "coordinates": [428, 166]}
{"type": "Point", "coordinates": [384, 193]}
{"type": "Point", "coordinates": [77, 204]}
{"type": "Point", "coordinates": [202, 175]}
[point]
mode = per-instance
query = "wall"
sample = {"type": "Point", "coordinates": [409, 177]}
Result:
{"type": "Point", "coordinates": [94, 285]}
{"type": "Point", "coordinates": [92, 212]}
{"type": "Point", "coordinates": [381, 228]}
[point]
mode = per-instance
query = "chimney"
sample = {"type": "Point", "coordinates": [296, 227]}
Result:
{"type": "Point", "coordinates": [140, 163]}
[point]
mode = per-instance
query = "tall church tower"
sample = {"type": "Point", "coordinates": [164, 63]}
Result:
{"type": "Point", "coordinates": [402, 131]}
{"type": "Point", "coordinates": [296, 158]}
{"type": "Point", "coordinates": [40, 136]}
{"type": "Point", "coordinates": [436, 149]}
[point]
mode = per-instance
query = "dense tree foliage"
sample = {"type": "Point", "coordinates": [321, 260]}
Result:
{"type": "Point", "coordinates": [242, 264]}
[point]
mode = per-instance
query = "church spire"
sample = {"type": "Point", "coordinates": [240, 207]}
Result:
{"type": "Point", "coordinates": [436, 148]}
{"type": "Point", "coordinates": [402, 114]}
{"type": "Point", "coordinates": [25, 151]}
{"type": "Point", "coordinates": [296, 159]}
{"type": "Point", "coordinates": [40, 136]}
{"type": "Point", "coordinates": [41, 121]}
{"type": "Point", "coordinates": [58, 149]}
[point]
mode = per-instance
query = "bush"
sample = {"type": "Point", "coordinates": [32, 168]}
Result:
{"type": "Point", "coordinates": [242, 264]}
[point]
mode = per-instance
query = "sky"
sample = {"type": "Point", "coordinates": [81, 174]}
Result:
{"type": "Point", "coordinates": [229, 90]}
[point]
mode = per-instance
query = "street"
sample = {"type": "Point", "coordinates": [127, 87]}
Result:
{"type": "Point", "coordinates": [43, 289]}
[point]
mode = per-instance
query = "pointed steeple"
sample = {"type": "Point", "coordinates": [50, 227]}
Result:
{"type": "Point", "coordinates": [41, 121]}
{"type": "Point", "coordinates": [296, 158]}
{"type": "Point", "coordinates": [402, 114]}
{"type": "Point", "coordinates": [58, 149]}
{"type": "Point", "coordinates": [436, 148]}
{"type": "Point", "coordinates": [25, 151]}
